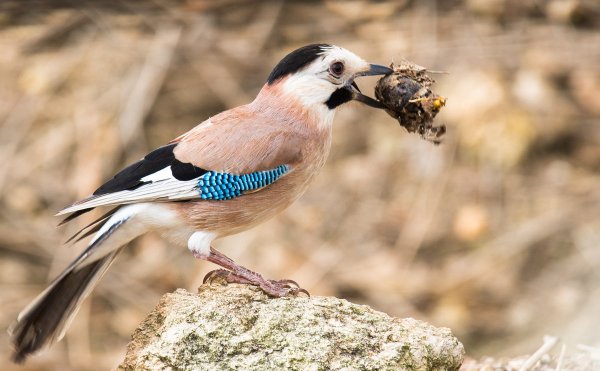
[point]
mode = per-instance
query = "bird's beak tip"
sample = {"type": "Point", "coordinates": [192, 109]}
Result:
{"type": "Point", "coordinates": [376, 69]}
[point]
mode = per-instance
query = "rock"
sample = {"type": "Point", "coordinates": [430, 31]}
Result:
{"type": "Point", "coordinates": [237, 327]}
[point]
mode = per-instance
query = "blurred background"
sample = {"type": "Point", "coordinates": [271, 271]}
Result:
{"type": "Point", "coordinates": [494, 233]}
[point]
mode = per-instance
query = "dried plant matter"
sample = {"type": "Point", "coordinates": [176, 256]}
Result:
{"type": "Point", "coordinates": [407, 96]}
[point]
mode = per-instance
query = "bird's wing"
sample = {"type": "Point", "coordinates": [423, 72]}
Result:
{"type": "Point", "coordinates": [239, 142]}
{"type": "Point", "coordinates": [159, 176]}
{"type": "Point", "coordinates": [222, 158]}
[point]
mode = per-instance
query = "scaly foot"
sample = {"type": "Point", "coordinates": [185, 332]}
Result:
{"type": "Point", "coordinates": [275, 288]}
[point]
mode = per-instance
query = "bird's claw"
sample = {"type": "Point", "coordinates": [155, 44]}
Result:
{"type": "Point", "coordinates": [286, 282]}
{"type": "Point", "coordinates": [281, 288]}
{"type": "Point", "coordinates": [215, 274]}
{"type": "Point", "coordinates": [274, 288]}
{"type": "Point", "coordinates": [299, 290]}
{"type": "Point", "coordinates": [293, 286]}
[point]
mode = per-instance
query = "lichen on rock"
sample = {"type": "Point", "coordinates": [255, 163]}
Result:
{"type": "Point", "coordinates": [237, 327]}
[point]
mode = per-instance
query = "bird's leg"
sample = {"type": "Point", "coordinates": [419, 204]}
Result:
{"type": "Point", "coordinates": [234, 273]}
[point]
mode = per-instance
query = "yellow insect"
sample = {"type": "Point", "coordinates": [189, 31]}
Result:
{"type": "Point", "coordinates": [438, 103]}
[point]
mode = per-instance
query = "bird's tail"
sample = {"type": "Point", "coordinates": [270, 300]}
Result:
{"type": "Point", "coordinates": [47, 317]}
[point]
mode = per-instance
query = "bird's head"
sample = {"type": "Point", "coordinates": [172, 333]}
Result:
{"type": "Point", "coordinates": [321, 77]}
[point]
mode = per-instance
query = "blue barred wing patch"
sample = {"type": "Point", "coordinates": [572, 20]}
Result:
{"type": "Point", "coordinates": [224, 186]}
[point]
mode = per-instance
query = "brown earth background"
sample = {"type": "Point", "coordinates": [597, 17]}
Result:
{"type": "Point", "coordinates": [494, 233]}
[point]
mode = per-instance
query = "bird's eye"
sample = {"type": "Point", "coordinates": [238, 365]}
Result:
{"type": "Point", "coordinates": [336, 69]}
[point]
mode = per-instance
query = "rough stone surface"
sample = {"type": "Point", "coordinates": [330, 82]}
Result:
{"type": "Point", "coordinates": [237, 327]}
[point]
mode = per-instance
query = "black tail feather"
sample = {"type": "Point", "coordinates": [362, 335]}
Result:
{"type": "Point", "coordinates": [45, 320]}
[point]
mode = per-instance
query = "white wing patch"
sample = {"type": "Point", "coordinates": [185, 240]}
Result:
{"type": "Point", "coordinates": [163, 174]}
{"type": "Point", "coordinates": [162, 187]}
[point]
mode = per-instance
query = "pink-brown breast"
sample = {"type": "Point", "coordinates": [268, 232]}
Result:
{"type": "Point", "coordinates": [259, 136]}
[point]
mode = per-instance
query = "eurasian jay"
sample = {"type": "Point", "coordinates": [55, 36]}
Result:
{"type": "Point", "coordinates": [231, 172]}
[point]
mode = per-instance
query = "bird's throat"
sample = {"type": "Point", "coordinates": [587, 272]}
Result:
{"type": "Point", "coordinates": [339, 97]}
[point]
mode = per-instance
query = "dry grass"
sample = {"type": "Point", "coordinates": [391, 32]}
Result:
{"type": "Point", "coordinates": [493, 234]}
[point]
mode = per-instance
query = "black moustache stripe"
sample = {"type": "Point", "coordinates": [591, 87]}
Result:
{"type": "Point", "coordinates": [339, 97]}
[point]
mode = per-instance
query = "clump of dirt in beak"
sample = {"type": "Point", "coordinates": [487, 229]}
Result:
{"type": "Point", "coordinates": [407, 97]}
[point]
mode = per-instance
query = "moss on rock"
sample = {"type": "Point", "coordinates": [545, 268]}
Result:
{"type": "Point", "coordinates": [238, 327]}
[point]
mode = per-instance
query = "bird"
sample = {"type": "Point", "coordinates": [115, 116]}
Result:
{"type": "Point", "coordinates": [229, 173]}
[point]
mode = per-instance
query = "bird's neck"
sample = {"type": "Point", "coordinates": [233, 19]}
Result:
{"type": "Point", "coordinates": [283, 103]}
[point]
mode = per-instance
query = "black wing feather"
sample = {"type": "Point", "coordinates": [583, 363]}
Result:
{"type": "Point", "coordinates": [130, 177]}
{"type": "Point", "coordinates": [96, 225]}
{"type": "Point", "coordinates": [76, 214]}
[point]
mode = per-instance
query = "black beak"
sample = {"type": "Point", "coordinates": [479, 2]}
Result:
{"type": "Point", "coordinates": [358, 96]}
{"type": "Point", "coordinates": [377, 70]}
